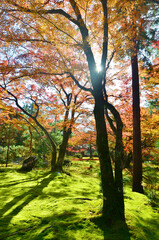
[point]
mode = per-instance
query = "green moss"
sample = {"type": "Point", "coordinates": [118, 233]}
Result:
{"type": "Point", "coordinates": [142, 219]}
{"type": "Point", "coordinates": [42, 205]}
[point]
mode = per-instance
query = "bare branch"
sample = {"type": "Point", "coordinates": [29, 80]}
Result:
{"type": "Point", "coordinates": [108, 64]}
{"type": "Point", "coordinates": [60, 96]}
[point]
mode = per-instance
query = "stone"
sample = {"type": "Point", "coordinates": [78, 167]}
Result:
{"type": "Point", "coordinates": [29, 164]}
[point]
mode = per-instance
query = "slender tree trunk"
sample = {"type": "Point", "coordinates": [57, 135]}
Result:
{"type": "Point", "coordinates": [119, 158]}
{"type": "Point", "coordinates": [8, 147]}
{"type": "Point", "coordinates": [111, 211]}
{"type": "Point", "coordinates": [90, 150]}
{"type": "Point", "coordinates": [31, 141]}
{"type": "Point", "coordinates": [7, 157]}
{"type": "Point", "coordinates": [137, 155]}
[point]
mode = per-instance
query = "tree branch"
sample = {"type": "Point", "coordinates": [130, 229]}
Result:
{"type": "Point", "coordinates": [35, 130]}
{"type": "Point", "coordinates": [78, 84]}
{"type": "Point", "coordinates": [86, 46]}
{"type": "Point", "coordinates": [105, 35]}
{"type": "Point", "coordinates": [53, 144]}
{"type": "Point", "coordinates": [108, 64]}
{"type": "Point", "coordinates": [50, 11]}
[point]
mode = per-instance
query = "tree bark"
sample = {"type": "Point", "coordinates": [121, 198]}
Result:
{"type": "Point", "coordinates": [137, 155]}
{"type": "Point", "coordinates": [62, 150]}
{"type": "Point", "coordinates": [119, 155]}
{"type": "Point", "coordinates": [111, 211]}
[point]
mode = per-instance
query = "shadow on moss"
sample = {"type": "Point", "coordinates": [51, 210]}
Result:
{"type": "Point", "coordinates": [118, 231]}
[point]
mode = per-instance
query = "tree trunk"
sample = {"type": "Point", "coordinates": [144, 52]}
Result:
{"type": "Point", "coordinates": [53, 160]}
{"type": "Point", "coordinates": [119, 158]}
{"type": "Point", "coordinates": [31, 142]}
{"type": "Point", "coordinates": [119, 155]}
{"type": "Point", "coordinates": [111, 211]}
{"type": "Point", "coordinates": [7, 157]}
{"type": "Point", "coordinates": [137, 155]}
{"type": "Point", "coordinates": [8, 147]}
{"type": "Point", "coordinates": [90, 151]}
{"type": "Point", "coordinates": [53, 145]}
{"type": "Point", "coordinates": [62, 150]}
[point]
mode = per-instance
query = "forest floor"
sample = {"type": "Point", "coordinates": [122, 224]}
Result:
{"type": "Point", "coordinates": [41, 205]}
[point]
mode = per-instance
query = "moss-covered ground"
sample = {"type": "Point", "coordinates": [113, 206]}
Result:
{"type": "Point", "coordinates": [42, 205]}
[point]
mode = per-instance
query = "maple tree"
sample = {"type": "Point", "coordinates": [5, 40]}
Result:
{"type": "Point", "coordinates": [44, 105]}
{"type": "Point", "coordinates": [77, 42]}
{"type": "Point", "coordinates": [73, 35]}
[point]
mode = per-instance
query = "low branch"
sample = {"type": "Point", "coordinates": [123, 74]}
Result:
{"type": "Point", "coordinates": [111, 122]}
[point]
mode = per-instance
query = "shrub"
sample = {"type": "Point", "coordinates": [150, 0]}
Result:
{"type": "Point", "coordinates": [16, 153]}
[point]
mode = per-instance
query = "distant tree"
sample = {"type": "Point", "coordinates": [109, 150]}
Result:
{"type": "Point", "coordinates": [41, 105]}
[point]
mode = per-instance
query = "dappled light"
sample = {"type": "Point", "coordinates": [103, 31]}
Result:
{"type": "Point", "coordinates": [79, 117]}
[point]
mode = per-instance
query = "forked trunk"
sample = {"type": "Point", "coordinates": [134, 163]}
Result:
{"type": "Point", "coordinates": [119, 155]}
{"type": "Point", "coordinates": [111, 210]}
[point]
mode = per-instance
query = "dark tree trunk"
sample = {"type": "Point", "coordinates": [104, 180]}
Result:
{"type": "Point", "coordinates": [53, 160]}
{"type": "Point", "coordinates": [62, 150]}
{"type": "Point", "coordinates": [90, 151]}
{"type": "Point", "coordinates": [119, 158]}
{"type": "Point", "coordinates": [119, 155]}
{"type": "Point", "coordinates": [111, 211]}
{"type": "Point", "coordinates": [137, 155]}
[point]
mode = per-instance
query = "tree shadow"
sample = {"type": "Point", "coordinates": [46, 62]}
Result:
{"type": "Point", "coordinates": [24, 199]}
{"type": "Point", "coordinates": [148, 227]}
{"type": "Point", "coordinates": [5, 171]}
{"type": "Point", "coordinates": [118, 231]}
{"type": "Point", "coordinates": [16, 182]}
{"type": "Point", "coordinates": [59, 225]}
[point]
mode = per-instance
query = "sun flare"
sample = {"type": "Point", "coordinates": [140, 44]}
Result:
{"type": "Point", "coordinates": [99, 68]}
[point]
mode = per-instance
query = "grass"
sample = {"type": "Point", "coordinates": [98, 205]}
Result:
{"type": "Point", "coordinates": [41, 205]}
